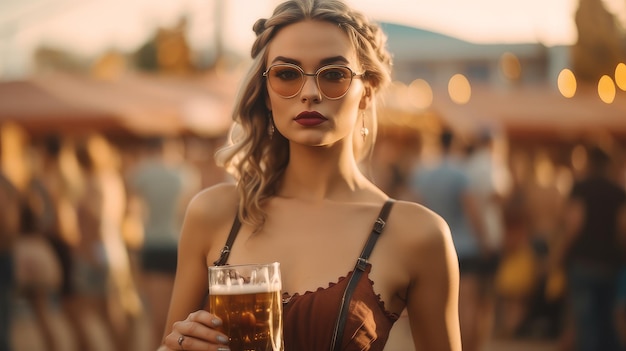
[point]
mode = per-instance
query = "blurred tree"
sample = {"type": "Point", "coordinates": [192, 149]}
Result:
{"type": "Point", "coordinates": [168, 51]}
{"type": "Point", "coordinates": [146, 56]}
{"type": "Point", "coordinates": [600, 42]}
{"type": "Point", "coordinates": [51, 59]}
{"type": "Point", "coordinates": [109, 66]}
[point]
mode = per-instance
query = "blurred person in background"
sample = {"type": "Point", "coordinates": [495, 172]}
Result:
{"type": "Point", "coordinates": [530, 291]}
{"type": "Point", "coordinates": [163, 184]}
{"type": "Point", "coordinates": [444, 187]}
{"type": "Point", "coordinates": [545, 195]}
{"type": "Point", "coordinates": [37, 262]}
{"type": "Point", "coordinates": [9, 229]}
{"type": "Point", "coordinates": [105, 280]}
{"type": "Point", "coordinates": [38, 269]}
{"type": "Point", "coordinates": [56, 181]}
{"type": "Point", "coordinates": [515, 280]}
{"type": "Point", "coordinates": [490, 185]}
{"type": "Point", "coordinates": [592, 253]}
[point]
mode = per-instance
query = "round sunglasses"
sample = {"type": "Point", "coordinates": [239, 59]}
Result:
{"type": "Point", "coordinates": [287, 80]}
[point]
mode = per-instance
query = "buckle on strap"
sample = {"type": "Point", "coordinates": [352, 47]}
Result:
{"type": "Point", "coordinates": [379, 225]}
{"type": "Point", "coordinates": [224, 250]}
{"type": "Point", "coordinates": [223, 254]}
{"type": "Point", "coordinates": [361, 264]}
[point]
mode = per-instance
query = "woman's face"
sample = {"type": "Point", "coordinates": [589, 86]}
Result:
{"type": "Point", "coordinates": [313, 117]}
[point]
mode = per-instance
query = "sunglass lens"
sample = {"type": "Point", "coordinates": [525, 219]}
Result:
{"type": "Point", "coordinates": [286, 81]}
{"type": "Point", "coordinates": [334, 81]}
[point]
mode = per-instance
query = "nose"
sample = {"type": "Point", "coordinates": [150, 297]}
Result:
{"type": "Point", "coordinates": [310, 90]}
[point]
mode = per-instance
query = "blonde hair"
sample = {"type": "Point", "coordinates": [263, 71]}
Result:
{"type": "Point", "coordinates": [257, 161]}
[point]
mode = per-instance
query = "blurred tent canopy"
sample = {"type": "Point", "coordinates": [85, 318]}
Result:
{"type": "Point", "coordinates": [524, 112]}
{"type": "Point", "coordinates": [133, 104]}
{"type": "Point", "coordinates": [146, 104]}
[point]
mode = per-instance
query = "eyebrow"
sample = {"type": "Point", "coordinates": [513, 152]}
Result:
{"type": "Point", "coordinates": [326, 61]}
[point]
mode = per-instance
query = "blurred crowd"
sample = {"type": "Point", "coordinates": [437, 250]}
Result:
{"type": "Point", "coordinates": [540, 231]}
{"type": "Point", "coordinates": [88, 229]}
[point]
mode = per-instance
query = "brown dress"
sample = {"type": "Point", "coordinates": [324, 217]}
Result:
{"type": "Point", "coordinates": [309, 319]}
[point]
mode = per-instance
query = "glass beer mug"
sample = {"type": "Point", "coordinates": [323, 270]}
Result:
{"type": "Point", "coordinates": [247, 299]}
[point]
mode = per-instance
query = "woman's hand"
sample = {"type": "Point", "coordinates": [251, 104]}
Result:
{"type": "Point", "coordinates": [197, 332]}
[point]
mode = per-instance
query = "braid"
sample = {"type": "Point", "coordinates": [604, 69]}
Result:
{"type": "Point", "coordinates": [377, 38]}
{"type": "Point", "coordinates": [263, 37]}
{"type": "Point", "coordinates": [259, 26]}
{"type": "Point", "coordinates": [373, 55]}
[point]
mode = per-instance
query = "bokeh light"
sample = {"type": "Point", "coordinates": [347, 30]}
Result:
{"type": "Point", "coordinates": [459, 89]}
{"type": "Point", "coordinates": [620, 76]}
{"type": "Point", "coordinates": [606, 89]}
{"type": "Point", "coordinates": [420, 93]}
{"type": "Point", "coordinates": [510, 66]}
{"type": "Point", "coordinates": [567, 83]}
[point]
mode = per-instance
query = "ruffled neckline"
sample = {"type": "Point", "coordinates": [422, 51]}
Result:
{"type": "Point", "coordinates": [288, 298]}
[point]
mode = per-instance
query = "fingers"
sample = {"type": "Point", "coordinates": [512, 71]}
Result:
{"type": "Point", "coordinates": [206, 318]}
{"type": "Point", "coordinates": [189, 343]}
{"type": "Point", "coordinates": [197, 332]}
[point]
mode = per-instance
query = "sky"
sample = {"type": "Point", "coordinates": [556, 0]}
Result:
{"type": "Point", "coordinates": [92, 26]}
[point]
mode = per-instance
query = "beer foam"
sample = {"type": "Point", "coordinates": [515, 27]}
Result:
{"type": "Point", "coordinates": [242, 289]}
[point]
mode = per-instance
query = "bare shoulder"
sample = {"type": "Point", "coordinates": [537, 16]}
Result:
{"type": "Point", "coordinates": [214, 203]}
{"type": "Point", "coordinates": [412, 220]}
{"type": "Point", "coordinates": [420, 234]}
{"type": "Point", "coordinates": [209, 216]}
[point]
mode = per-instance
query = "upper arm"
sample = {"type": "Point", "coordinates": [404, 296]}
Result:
{"type": "Point", "coordinates": [432, 299]}
{"type": "Point", "coordinates": [207, 219]}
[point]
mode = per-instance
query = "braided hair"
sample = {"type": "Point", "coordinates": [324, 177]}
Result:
{"type": "Point", "coordinates": [257, 161]}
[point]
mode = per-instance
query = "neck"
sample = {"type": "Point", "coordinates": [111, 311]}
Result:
{"type": "Point", "coordinates": [322, 173]}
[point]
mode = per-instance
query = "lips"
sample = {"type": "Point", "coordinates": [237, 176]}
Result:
{"type": "Point", "coordinates": [310, 118]}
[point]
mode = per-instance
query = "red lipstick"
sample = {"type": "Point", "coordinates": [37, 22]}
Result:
{"type": "Point", "coordinates": [310, 118]}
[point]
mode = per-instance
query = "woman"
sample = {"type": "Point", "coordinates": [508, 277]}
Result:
{"type": "Point", "coordinates": [104, 277]}
{"type": "Point", "coordinates": [302, 126]}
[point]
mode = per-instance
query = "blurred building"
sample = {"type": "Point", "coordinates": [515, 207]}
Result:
{"type": "Point", "coordinates": [535, 95]}
{"type": "Point", "coordinates": [178, 86]}
{"type": "Point", "coordinates": [436, 57]}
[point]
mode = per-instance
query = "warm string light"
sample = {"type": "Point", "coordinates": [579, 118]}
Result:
{"type": "Point", "coordinates": [460, 89]}
{"type": "Point", "coordinates": [421, 95]}
{"type": "Point", "coordinates": [606, 89]}
{"type": "Point", "coordinates": [566, 83]}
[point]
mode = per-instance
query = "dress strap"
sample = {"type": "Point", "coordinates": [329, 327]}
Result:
{"type": "Point", "coordinates": [359, 268]}
{"type": "Point", "coordinates": [234, 230]}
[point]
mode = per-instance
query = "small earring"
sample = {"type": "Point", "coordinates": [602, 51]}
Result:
{"type": "Point", "coordinates": [270, 127]}
{"type": "Point", "coordinates": [364, 131]}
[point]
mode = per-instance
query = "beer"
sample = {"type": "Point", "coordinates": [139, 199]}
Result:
{"type": "Point", "coordinates": [249, 304]}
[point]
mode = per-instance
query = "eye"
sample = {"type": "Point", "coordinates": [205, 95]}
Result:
{"type": "Point", "coordinates": [286, 73]}
{"type": "Point", "coordinates": [334, 74]}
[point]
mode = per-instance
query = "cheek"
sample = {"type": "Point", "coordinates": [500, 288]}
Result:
{"type": "Point", "coordinates": [278, 105]}
{"type": "Point", "coordinates": [350, 107]}
{"type": "Point", "coordinates": [357, 95]}
{"type": "Point", "coordinates": [281, 112]}
{"type": "Point", "coordinates": [349, 116]}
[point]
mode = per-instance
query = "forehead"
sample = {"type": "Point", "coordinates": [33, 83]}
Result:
{"type": "Point", "coordinates": [310, 42]}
